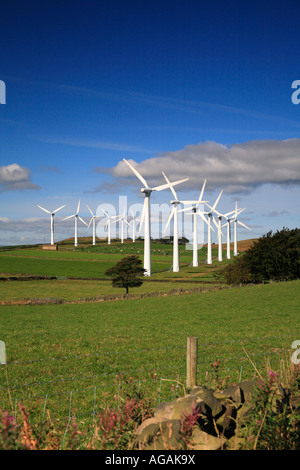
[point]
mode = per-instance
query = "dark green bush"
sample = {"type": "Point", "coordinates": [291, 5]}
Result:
{"type": "Point", "coordinates": [272, 257]}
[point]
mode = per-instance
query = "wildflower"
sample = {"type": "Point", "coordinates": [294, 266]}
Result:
{"type": "Point", "coordinates": [272, 375]}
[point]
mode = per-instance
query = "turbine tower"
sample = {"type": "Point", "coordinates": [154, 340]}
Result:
{"type": "Point", "coordinates": [51, 221]}
{"type": "Point", "coordinates": [219, 227]}
{"type": "Point", "coordinates": [133, 220]}
{"type": "Point", "coordinates": [108, 224]}
{"type": "Point", "coordinates": [195, 212]}
{"type": "Point", "coordinates": [76, 217]}
{"type": "Point", "coordinates": [93, 219]}
{"type": "Point", "coordinates": [174, 214]}
{"type": "Point", "coordinates": [146, 214]}
{"type": "Point", "coordinates": [236, 213]}
{"type": "Point", "coordinates": [228, 225]}
{"type": "Point", "coordinates": [210, 218]}
{"type": "Point", "coordinates": [122, 219]}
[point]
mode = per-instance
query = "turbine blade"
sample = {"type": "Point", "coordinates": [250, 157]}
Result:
{"type": "Point", "coordinates": [137, 174]}
{"type": "Point", "coordinates": [201, 214]}
{"type": "Point", "coordinates": [46, 210]}
{"type": "Point", "coordinates": [69, 217]}
{"type": "Point", "coordinates": [239, 211]}
{"type": "Point", "coordinates": [216, 224]}
{"type": "Point", "coordinates": [244, 225]}
{"type": "Point", "coordinates": [56, 210]}
{"type": "Point", "coordinates": [105, 212]}
{"type": "Point", "coordinates": [188, 202]}
{"type": "Point", "coordinates": [186, 209]}
{"type": "Point", "coordinates": [201, 194]}
{"type": "Point", "coordinates": [90, 210]}
{"type": "Point", "coordinates": [228, 213]}
{"type": "Point", "coordinates": [82, 220]}
{"type": "Point", "coordinates": [214, 210]}
{"type": "Point", "coordinates": [90, 222]}
{"type": "Point", "coordinates": [172, 189]}
{"type": "Point", "coordinates": [217, 200]}
{"type": "Point", "coordinates": [169, 219]}
{"type": "Point", "coordinates": [169, 185]}
{"type": "Point", "coordinates": [78, 207]}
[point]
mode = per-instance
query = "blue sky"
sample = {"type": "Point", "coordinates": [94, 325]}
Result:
{"type": "Point", "coordinates": [195, 89]}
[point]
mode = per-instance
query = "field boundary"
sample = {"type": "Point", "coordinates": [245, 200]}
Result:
{"type": "Point", "coordinates": [109, 298]}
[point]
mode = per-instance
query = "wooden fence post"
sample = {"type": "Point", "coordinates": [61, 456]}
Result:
{"type": "Point", "coordinates": [2, 353]}
{"type": "Point", "coordinates": [191, 362]}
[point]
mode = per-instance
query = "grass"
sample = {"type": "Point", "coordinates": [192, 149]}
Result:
{"type": "Point", "coordinates": [90, 263]}
{"type": "Point", "coordinates": [75, 359]}
{"type": "Point", "coordinates": [72, 289]}
{"type": "Point", "coordinates": [91, 344]}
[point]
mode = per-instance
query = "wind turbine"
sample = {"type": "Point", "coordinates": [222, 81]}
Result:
{"type": "Point", "coordinates": [219, 227]}
{"type": "Point", "coordinates": [146, 214]}
{"type": "Point", "coordinates": [52, 220]}
{"type": "Point", "coordinates": [76, 217]}
{"type": "Point", "coordinates": [93, 219]}
{"type": "Point", "coordinates": [236, 213]}
{"type": "Point", "coordinates": [174, 213]}
{"type": "Point", "coordinates": [108, 224]}
{"type": "Point", "coordinates": [228, 225]}
{"type": "Point", "coordinates": [122, 219]}
{"type": "Point", "coordinates": [195, 212]}
{"type": "Point", "coordinates": [133, 220]}
{"type": "Point", "coordinates": [210, 218]}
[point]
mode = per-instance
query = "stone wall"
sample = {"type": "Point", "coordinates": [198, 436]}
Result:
{"type": "Point", "coordinates": [212, 416]}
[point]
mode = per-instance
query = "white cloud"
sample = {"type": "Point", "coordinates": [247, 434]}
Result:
{"type": "Point", "coordinates": [14, 177]}
{"type": "Point", "coordinates": [236, 168]}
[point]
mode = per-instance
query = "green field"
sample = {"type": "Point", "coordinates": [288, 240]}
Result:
{"type": "Point", "coordinates": [64, 359]}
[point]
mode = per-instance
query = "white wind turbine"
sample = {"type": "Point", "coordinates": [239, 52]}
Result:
{"type": "Point", "coordinates": [228, 225]}
{"type": "Point", "coordinates": [236, 213]}
{"type": "Point", "coordinates": [108, 224]}
{"type": "Point", "coordinates": [210, 218]}
{"type": "Point", "coordinates": [174, 214]}
{"type": "Point", "coordinates": [76, 217]}
{"type": "Point", "coordinates": [93, 219]}
{"type": "Point", "coordinates": [219, 227]}
{"type": "Point", "coordinates": [51, 221]}
{"type": "Point", "coordinates": [195, 212]}
{"type": "Point", "coordinates": [146, 214]}
{"type": "Point", "coordinates": [122, 219]}
{"type": "Point", "coordinates": [133, 221]}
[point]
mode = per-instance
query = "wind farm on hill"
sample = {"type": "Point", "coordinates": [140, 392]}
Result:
{"type": "Point", "coordinates": [196, 208]}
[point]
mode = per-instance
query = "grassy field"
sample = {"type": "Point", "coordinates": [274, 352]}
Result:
{"type": "Point", "coordinates": [54, 351]}
{"type": "Point", "coordinates": [77, 358]}
{"type": "Point", "coordinates": [90, 263]}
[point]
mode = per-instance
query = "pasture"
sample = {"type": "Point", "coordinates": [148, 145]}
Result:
{"type": "Point", "coordinates": [76, 359]}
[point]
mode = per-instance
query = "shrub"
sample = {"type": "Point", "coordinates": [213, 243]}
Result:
{"type": "Point", "coordinates": [273, 423]}
{"type": "Point", "coordinates": [272, 257]}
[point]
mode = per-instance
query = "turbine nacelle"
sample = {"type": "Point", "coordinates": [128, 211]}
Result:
{"type": "Point", "coordinates": [146, 191]}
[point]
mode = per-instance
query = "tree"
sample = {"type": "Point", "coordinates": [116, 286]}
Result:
{"type": "Point", "coordinates": [126, 273]}
{"type": "Point", "coordinates": [272, 257]}
{"type": "Point", "coordinates": [237, 272]}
